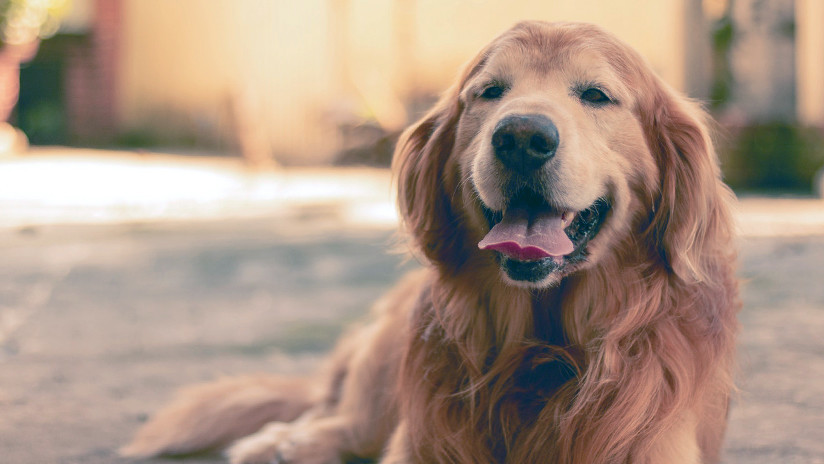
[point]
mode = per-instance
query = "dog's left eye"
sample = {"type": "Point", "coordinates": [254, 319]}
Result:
{"type": "Point", "coordinates": [493, 92]}
{"type": "Point", "coordinates": [595, 97]}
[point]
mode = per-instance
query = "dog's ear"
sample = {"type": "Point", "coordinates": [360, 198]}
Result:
{"type": "Point", "coordinates": [691, 212]}
{"type": "Point", "coordinates": [428, 178]}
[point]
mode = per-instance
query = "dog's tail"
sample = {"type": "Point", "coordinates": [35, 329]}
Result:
{"type": "Point", "coordinates": [212, 415]}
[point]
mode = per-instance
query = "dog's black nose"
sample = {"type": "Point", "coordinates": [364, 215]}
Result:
{"type": "Point", "coordinates": [524, 142]}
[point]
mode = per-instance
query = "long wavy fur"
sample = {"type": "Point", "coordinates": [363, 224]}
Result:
{"type": "Point", "coordinates": [648, 332]}
{"type": "Point", "coordinates": [628, 359]}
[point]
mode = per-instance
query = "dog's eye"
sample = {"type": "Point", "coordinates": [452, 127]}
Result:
{"type": "Point", "coordinates": [595, 97]}
{"type": "Point", "coordinates": [493, 92]}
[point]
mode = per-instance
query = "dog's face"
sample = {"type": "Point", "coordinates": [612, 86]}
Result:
{"type": "Point", "coordinates": [545, 156]}
{"type": "Point", "coordinates": [549, 143]}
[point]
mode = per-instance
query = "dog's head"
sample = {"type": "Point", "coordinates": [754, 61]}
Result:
{"type": "Point", "coordinates": [556, 146]}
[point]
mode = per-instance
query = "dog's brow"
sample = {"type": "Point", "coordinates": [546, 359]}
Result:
{"type": "Point", "coordinates": [483, 79]}
{"type": "Point", "coordinates": [600, 77]}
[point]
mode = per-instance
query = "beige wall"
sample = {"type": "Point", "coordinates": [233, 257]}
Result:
{"type": "Point", "coordinates": [191, 60]}
{"type": "Point", "coordinates": [654, 27]}
{"type": "Point", "coordinates": [809, 15]}
{"type": "Point", "coordinates": [299, 67]}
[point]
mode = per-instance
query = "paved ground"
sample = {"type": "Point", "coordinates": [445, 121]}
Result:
{"type": "Point", "coordinates": [100, 323]}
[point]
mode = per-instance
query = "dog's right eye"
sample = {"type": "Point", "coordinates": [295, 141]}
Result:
{"type": "Point", "coordinates": [595, 96]}
{"type": "Point", "coordinates": [493, 92]}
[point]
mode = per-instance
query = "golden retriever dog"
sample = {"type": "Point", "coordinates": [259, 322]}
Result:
{"type": "Point", "coordinates": [578, 303]}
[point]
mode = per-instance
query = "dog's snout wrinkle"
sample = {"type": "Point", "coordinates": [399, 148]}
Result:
{"type": "Point", "coordinates": [525, 142]}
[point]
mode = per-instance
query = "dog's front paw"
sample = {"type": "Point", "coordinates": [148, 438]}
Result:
{"type": "Point", "coordinates": [264, 447]}
{"type": "Point", "coordinates": [281, 443]}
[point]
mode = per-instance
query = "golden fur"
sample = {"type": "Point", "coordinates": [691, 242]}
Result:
{"type": "Point", "coordinates": [624, 357]}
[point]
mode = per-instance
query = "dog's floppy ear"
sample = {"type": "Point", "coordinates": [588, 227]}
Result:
{"type": "Point", "coordinates": [420, 165]}
{"type": "Point", "coordinates": [691, 208]}
{"type": "Point", "coordinates": [428, 178]}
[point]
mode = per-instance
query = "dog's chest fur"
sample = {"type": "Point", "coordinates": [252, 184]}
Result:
{"type": "Point", "coordinates": [515, 390]}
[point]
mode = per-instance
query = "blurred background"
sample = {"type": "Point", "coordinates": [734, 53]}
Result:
{"type": "Point", "coordinates": [334, 81]}
{"type": "Point", "coordinates": [198, 188]}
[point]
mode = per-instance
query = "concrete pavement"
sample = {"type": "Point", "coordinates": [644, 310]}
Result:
{"type": "Point", "coordinates": [122, 279]}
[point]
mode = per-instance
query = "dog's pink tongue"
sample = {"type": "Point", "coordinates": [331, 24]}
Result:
{"type": "Point", "coordinates": [526, 238]}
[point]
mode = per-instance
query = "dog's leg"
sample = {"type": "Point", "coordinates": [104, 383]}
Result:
{"type": "Point", "coordinates": [712, 426]}
{"type": "Point", "coordinates": [212, 415]}
{"type": "Point", "coordinates": [361, 411]}
{"type": "Point", "coordinates": [398, 450]}
{"type": "Point", "coordinates": [313, 441]}
{"type": "Point", "coordinates": [358, 424]}
{"type": "Point", "coordinates": [679, 445]}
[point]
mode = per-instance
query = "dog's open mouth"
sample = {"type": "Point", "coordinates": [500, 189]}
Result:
{"type": "Point", "coordinates": [533, 240]}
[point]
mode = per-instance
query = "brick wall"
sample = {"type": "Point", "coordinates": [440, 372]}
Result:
{"type": "Point", "coordinates": [91, 77]}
